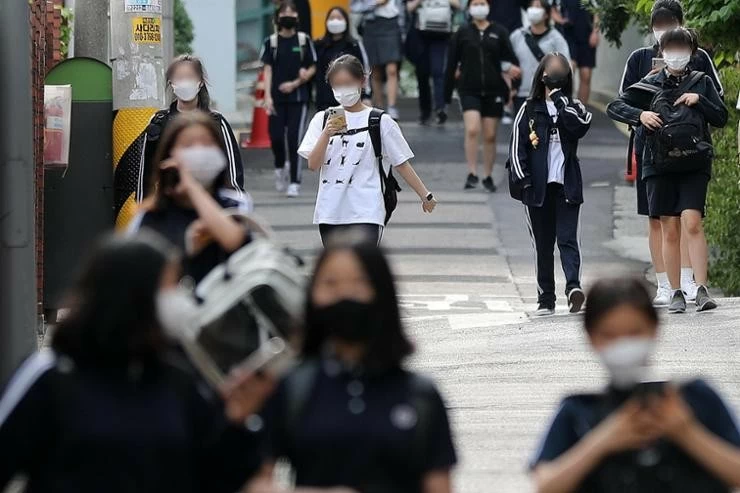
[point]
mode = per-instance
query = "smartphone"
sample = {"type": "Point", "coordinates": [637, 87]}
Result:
{"type": "Point", "coordinates": [644, 390]}
{"type": "Point", "coordinates": [169, 178]}
{"type": "Point", "coordinates": [658, 63]}
{"type": "Point", "coordinates": [337, 112]}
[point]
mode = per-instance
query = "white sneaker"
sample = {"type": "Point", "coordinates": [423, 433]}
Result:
{"type": "Point", "coordinates": [663, 296]}
{"type": "Point", "coordinates": [280, 182]}
{"type": "Point", "coordinates": [690, 288]}
{"type": "Point", "coordinates": [294, 190]}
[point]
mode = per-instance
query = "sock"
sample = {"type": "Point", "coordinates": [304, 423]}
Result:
{"type": "Point", "coordinates": [687, 275]}
{"type": "Point", "coordinates": [662, 278]}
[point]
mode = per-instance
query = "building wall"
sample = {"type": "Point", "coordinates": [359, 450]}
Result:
{"type": "Point", "coordinates": [610, 60]}
{"type": "Point", "coordinates": [214, 24]}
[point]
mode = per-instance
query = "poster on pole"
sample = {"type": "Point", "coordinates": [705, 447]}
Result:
{"type": "Point", "coordinates": [146, 30]}
{"type": "Point", "coordinates": [57, 125]}
{"type": "Point", "coordinates": [143, 6]}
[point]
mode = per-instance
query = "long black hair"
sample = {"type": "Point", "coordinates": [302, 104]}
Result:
{"type": "Point", "coordinates": [113, 322]}
{"type": "Point", "coordinates": [346, 35]}
{"type": "Point", "coordinates": [389, 345]}
{"type": "Point", "coordinates": [204, 97]}
{"type": "Point", "coordinates": [539, 91]}
{"type": "Point", "coordinates": [608, 294]}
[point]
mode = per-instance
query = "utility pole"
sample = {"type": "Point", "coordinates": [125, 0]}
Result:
{"type": "Point", "coordinates": [137, 58]}
{"type": "Point", "coordinates": [17, 220]}
{"type": "Point", "coordinates": [168, 30]}
{"type": "Point", "coordinates": [91, 29]}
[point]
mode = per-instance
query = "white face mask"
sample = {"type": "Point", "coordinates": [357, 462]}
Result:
{"type": "Point", "coordinates": [479, 12]}
{"type": "Point", "coordinates": [176, 310]}
{"type": "Point", "coordinates": [347, 96]}
{"type": "Point", "coordinates": [676, 60]}
{"type": "Point", "coordinates": [535, 15]}
{"type": "Point", "coordinates": [186, 89]}
{"type": "Point", "coordinates": [204, 163]}
{"type": "Point", "coordinates": [336, 26]}
{"type": "Point", "coordinates": [627, 360]}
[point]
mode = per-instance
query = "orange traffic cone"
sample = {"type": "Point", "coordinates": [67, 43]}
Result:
{"type": "Point", "coordinates": [260, 137]}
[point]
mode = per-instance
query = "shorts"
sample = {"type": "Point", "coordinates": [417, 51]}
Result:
{"type": "Point", "coordinates": [487, 106]}
{"type": "Point", "coordinates": [671, 194]}
{"type": "Point", "coordinates": [583, 54]}
{"type": "Point", "coordinates": [382, 40]}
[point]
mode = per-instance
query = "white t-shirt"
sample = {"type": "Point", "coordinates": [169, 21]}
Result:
{"type": "Point", "coordinates": [389, 10]}
{"type": "Point", "coordinates": [349, 183]}
{"type": "Point", "coordinates": [556, 158]}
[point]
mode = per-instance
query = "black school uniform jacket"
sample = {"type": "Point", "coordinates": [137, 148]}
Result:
{"type": "Point", "coordinates": [633, 101]}
{"type": "Point", "coordinates": [529, 164]}
{"type": "Point", "coordinates": [479, 56]}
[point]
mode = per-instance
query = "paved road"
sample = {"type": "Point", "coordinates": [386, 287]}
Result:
{"type": "Point", "coordinates": [467, 282]}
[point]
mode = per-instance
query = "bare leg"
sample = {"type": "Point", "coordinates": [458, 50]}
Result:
{"type": "Point", "coordinates": [391, 85]}
{"type": "Point", "coordinates": [584, 85]}
{"type": "Point", "coordinates": [672, 249]}
{"type": "Point", "coordinates": [691, 223]}
{"type": "Point", "coordinates": [376, 79]}
{"type": "Point", "coordinates": [655, 240]}
{"type": "Point", "coordinates": [685, 257]}
{"type": "Point", "coordinates": [490, 128]}
{"type": "Point", "coordinates": [472, 122]}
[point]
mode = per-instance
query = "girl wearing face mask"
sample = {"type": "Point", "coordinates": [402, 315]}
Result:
{"type": "Point", "coordinates": [666, 15]}
{"type": "Point", "coordinates": [678, 197]}
{"type": "Point", "coordinates": [187, 205]}
{"type": "Point", "coordinates": [362, 421]}
{"type": "Point", "coordinates": [539, 34]}
{"type": "Point", "coordinates": [545, 175]}
{"type": "Point", "coordinates": [336, 42]}
{"type": "Point", "coordinates": [350, 191]}
{"type": "Point", "coordinates": [109, 404]}
{"type": "Point", "coordinates": [636, 436]}
{"type": "Point", "coordinates": [289, 60]}
{"type": "Point", "coordinates": [479, 52]}
{"type": "Point", "coordinates": [187, 78]}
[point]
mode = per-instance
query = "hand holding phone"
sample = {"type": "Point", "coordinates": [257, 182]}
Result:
{"type": "Point", "coordinates": [336, 121]}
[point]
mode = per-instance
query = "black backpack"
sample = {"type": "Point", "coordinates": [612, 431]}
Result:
{"type": "Point", "coordinates": [682, 144]}
{"type": "Point", "coordinates": [388, 184]}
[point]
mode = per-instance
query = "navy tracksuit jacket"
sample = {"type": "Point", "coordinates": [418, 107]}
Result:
{"type": "Point", "coordinates": [553, 209]}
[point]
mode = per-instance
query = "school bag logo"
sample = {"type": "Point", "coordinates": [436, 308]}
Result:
{"type": "Point", "coordinates": [435, 16]}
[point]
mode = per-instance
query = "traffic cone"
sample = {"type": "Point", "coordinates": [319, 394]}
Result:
{"type": "Point", "coordinates": [260, 137]}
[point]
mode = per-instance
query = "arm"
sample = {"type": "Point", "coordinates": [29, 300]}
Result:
{"type": "Point", "coordinates": [622, 111]}
{"type": "Point", "coordinates": [409, 176]}
{"type": "Point", "coordinates": [233, 155]}
{"type": "Point", "coordinates": [452, 61]}
{"type": "Point", "coordinates": [565, 473]}
{"type": "Point", "coordinates": [509, 60]}
{"type": "Point", "coordinates": [267, 71]}
{"type": "Point", "coordinates": [631, 74]}
{"type": "Point", "coordinates": [715, 454]}
{"type": "Point", "coordinates": [709, 69]}
{"type": "Point", "coordinates": [318, 153]}
{"type": "Point", "coordinates": [712, 106]}
{"type": "Point", "coordinates": [576, 119]}
{"type": "Point", "coordinates": [518, 156]}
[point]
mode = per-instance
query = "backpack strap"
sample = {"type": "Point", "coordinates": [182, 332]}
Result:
{"type": "Point", "coordinates": [373, 127]}
{"type": "Point", "coordinates": [690, 81]}
{"type": "Point", "coordinates": [533, 46]}
{"type": "Point", "coordinates": [156, 125]}
{"type": "Point", "coordinates": [274, 46]}
{"type": "Point", "coordinates": [302, 41]}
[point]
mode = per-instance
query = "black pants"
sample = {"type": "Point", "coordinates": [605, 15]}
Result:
{"type": "Point", "coordinates": [286, 128]}
{"type": "Point", "coordinates": [556, 219]}
{"type": "Point", "coordinates": [373, 232]}
{"type": "Point", "coordinates": [432, 66]}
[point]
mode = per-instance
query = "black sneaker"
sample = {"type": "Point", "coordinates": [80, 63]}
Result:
{"type": "Point", "coordinates": [704, 302]}
{"type": "Point", "coordinates": [576, 299]}
{"type": "Point", "coordinates": [678, 302]}
{"type": "Point", "coordinates": [544, 309]}
{"type": "Point", "coordinates": [471, 182]}
{"type": "Point", "coordinates": [441, 117]}
{"type": "Point", "coordinates": [489, 185]}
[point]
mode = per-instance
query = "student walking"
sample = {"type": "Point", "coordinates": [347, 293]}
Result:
{"type": "Point", "coordinates": [479, 52]}
{"type": "Point", "coordinates": [336, 42]}
{"type": "Point", "coordinates": [356, 153]}
{"type": "Point", "coordinates": [350, 417]}
{"type": "Point", "coordinates": [545, 175]}
{"type": "Point", "coordinates": [580, 27]}
{"type": "Point", "coordinates": [186, 75]}
{"type": "Point", "coordinates": [676, 164]}
{"type": "Point", "coordinates": [289, 60]}
{"type": "Point", "coordinates": [531, 43]}
{"type": "Point", "coordinates": [636, 435]}
{"type": "Point", "coordinates": [666, 15]}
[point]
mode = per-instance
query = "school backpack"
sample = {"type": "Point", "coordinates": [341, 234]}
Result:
{"type": "Point", "coordinates": [682, 143]}
{"type": "Point", "coordinates": [435, 16]}
{"type": "Point", "coordinates": [302, 42]}
{"type": "Point", "coordinates": [388, 184]}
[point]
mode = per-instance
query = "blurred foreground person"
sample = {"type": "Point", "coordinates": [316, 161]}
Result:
{"type": "Point", "coordinates": [350, 415]}
{"type": "Point", "coordinates": [107, 408]}
{"type": "Point", "coordinates": [188, 205]}
{"type": "Point", "coordinates": [637, 436]}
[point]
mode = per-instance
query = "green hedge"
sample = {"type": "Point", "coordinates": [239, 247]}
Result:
{"type": "Point", "coordinates": [722, 223]}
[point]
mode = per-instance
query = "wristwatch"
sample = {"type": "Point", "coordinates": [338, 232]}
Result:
{"type": "Point", "coordinates": [429, 197]}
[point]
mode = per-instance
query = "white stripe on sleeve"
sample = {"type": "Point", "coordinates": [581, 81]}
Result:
{"type": "Point", "coordinates": [515, 142]}
{"type": "Point", "coordinates": [26, 376]}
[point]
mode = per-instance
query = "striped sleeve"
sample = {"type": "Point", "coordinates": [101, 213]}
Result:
{"type": "Point", "coordinates": [233, 155]}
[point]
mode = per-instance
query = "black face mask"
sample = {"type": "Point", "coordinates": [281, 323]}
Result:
{"type": "Point", "coordinates": [348, 320]}
{"type": "Point", "coordinates": [287, 22]}
{"type": "Point", "coordinates": [555, 81]}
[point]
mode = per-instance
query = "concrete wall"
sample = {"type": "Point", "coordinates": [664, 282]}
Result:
{"type": "Point", "coordinates": [215, 42]}
{"type": "Point", "coordinates": [610, 62]}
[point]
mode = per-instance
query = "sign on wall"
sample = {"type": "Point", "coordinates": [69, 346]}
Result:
{"type": "Point", "coordinates": [143, 6]}
{"type": "Point", "coordinates": [146, 30]}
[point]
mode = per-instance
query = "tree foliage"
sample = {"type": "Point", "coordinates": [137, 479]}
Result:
{"type": "Point", "coordinates": [183, 29]}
